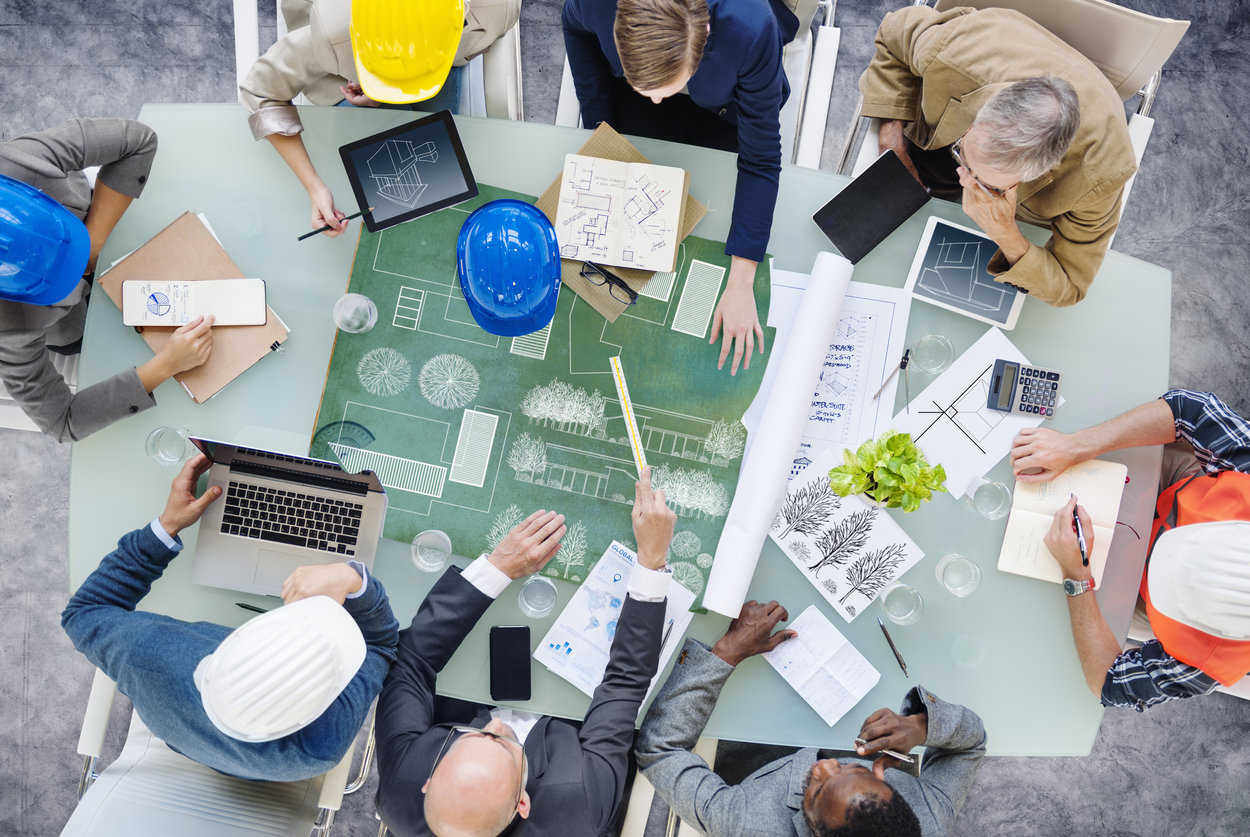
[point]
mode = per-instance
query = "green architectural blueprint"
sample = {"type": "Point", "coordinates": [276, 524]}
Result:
{"type": "Point", "coordinates": [471, 432]}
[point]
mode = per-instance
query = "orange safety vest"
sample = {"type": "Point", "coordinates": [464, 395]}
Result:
{"type": "Point", "coordinates": [1203, 498]}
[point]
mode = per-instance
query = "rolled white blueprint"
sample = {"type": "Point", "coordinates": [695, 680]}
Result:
{"type": "Point", "coordinates": [769, 457]}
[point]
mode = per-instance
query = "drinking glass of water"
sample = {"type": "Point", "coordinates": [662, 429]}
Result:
{"type": "Point", "coordinates": [169, 445]}
{"type": "Point", "coordinates": [355, 313]}
{"type": "Point", "coordinates": [431, 550]}
{"type": "Point", "coordinates": [990, 499]}
{"type": "Point", "coordinates": [960, 576]}
{"type": "Point", "coordinates": [537, 597]}
{"type": "Point", "coordinates": [902, 604]}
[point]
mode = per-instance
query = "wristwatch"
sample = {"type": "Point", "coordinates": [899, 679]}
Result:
{"type": "Point", "coordinates": [1075, 588]}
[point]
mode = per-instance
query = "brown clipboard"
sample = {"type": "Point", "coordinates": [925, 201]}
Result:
{"type": "Point", "coordinates": [186, 251]}
{"type": "Point", "coordinates": [609, 145]}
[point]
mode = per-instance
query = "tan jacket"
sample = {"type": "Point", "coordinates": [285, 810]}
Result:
{"type": "Point", "coordinates": [936, 70]}
{"type": "Point", "coordinates": [315, 58]}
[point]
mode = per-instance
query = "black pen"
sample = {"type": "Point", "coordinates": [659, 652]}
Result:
{"type": "Point", "coordinates": [251, 607]}
{"type": "Point", "coordinates": [329, 227]}
{"type": "Point", "coordinates": [897, 655]}
{"type": "Point", "coordinates": [1080, 535]}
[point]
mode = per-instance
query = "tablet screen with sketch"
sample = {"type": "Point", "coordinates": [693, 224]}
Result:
{"type": "Point", "coordinates": [949, 271]}
{"type": "Point", "coordinates": [409, 171]}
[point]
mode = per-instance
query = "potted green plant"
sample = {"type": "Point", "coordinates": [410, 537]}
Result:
{"type": "Point", "coordinates": [890, 470]}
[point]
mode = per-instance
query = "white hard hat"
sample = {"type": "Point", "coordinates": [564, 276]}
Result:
{"type": "Point", "coordinates": [279, 671]}
{"type": "Point", "coordinates": [1200, 576]}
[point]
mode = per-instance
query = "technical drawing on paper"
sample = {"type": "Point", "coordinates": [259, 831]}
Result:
{"type": "Point", "coordinates": [393, 168]}
{"type": "Point", "coordinates": [620, 214]}
{"type": "Point", "coordinates": [967, 412]}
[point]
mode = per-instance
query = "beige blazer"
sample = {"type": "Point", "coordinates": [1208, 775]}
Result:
{"type": "Point", "coordinates": [315, 58]}
{"type": "Point", "coordinates": [935, 70]}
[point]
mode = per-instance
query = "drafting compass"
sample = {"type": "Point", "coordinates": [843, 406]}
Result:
{"type": "Point", "coordinates": [902, 364]}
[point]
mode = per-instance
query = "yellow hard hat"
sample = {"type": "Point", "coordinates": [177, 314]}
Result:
{"type": "Point", "coordinates": [404, 48]}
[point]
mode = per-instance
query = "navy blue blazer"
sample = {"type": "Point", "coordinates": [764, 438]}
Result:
{"type": "Point", "coordinates": [740, 78]}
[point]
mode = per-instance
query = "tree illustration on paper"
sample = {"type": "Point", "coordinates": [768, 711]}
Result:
{"type": "Point", "coordinates": [572, 552]}
{"type": "Point", "coordinates": [839, 544]}
{"type": "Point", "coordinates": [806, 510]}
{"type": "Point", "coordinates": [726, 440]}
{"type": "Point", "coordinates": [691, 492]}
{"type": "Point", "coordinates": [503, 524]}
{"type": "Point", "coordinates": [528, 457]}
{"type": "Point", "coordinates": [871, 572]}
{"type": "Point", "coordinates": [688, 576]}
{"type": "Point", "coordinates": [686, 544]}
{"type": "Point", "coordinates": [448, 381]}
{"type": "Point", "coordinates": [384, 372]}
{"type": "Point", "coordinates": [565, 407]}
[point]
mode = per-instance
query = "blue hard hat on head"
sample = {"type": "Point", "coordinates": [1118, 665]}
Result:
{"type": "Point", "coordinates": [43, 247]}
{"type": "Point", "coordinates": [509, 267]}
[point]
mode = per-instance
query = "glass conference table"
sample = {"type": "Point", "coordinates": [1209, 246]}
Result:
{"type": "Point", "coordinates": [1017, 664]}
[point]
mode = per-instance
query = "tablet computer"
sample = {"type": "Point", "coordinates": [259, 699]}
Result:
{"type": "Point", "coordinates": [872, 206]}
{"type": "Point", "coordinates": [409, 171]}
{"type": "Point", "coordinates": [949, 271]}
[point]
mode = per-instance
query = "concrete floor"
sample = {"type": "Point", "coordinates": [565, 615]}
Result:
{"type": "Point", "coordinates": [1180, 769]}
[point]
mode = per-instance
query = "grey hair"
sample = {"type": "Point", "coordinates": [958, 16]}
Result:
{"type": "Point", "coordinates": [1028, 126]}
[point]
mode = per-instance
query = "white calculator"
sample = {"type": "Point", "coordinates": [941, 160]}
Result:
{"type": "Point", "coordinates": [1017, 388]}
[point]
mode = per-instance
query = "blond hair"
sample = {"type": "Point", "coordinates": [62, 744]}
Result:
{"type": "Point", "coordinates": [660, 41]}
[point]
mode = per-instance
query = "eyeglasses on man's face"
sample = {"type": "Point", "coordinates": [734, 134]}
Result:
{"type": "Point", "coordinates": [957, 152]}
{"type": "Point", "coordinates": [617, 286]}
{"type": "Point", "coordinates": [456, 733]}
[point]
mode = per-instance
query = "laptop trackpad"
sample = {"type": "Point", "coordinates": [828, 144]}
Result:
{"type": "Point", "coordinates": [273, 568]}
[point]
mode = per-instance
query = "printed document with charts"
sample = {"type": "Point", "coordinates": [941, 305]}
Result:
{"type": "Point", "coordinates": [1098, 486]}
{"type": "Point", "coordinates": [620, 214]}
{"type": "Point", "coordinates": [823, 667]}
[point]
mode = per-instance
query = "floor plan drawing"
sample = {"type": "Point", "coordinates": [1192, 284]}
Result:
{"type": "Point", "coordinates": [619, 214]}
{"type": "Point", "coordinates": [393, 168]}
{"type": "Point", "coordinates": [470, 432]}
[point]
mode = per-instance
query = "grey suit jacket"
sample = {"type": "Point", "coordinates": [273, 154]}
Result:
{"type": "Point", "coordinates": [770, 800]}
{"type": "Point", "coordinates": [576, 770]}
{"type": "Point", "coordinates": [52, 161]}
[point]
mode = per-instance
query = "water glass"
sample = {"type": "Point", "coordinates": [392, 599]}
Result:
{"type": "Point", "coordinates": [431, 550]}
{"type": "Point", "coordinates": [902, 604]}
{"type": "Point", "coordinates": [537, 597]}
{"type": "Point", "coordinates": [959, 575]}
{"type": "Point", "coordinates": [169, 445]}
{"type": "Point", "coordinates": [991, 499]}
{"type": "Point", "coordinates": [355, 313]}
{"type": "Point", "coordinates": [932, 353]}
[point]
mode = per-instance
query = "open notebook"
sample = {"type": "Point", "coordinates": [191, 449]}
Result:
{"type": "Point", "coordinates": [1097, 484]}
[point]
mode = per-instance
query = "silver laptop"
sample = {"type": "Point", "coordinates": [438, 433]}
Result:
{"type": "Point", "coordinates": [277, 512]}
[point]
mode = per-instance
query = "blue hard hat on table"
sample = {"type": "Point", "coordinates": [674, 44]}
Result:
{"type": "Point", "coordinates": [43, 247]}
{"type": "Point", "coordinates": [509, 267]}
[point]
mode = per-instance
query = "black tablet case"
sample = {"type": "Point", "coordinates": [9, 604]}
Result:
{"type": "Point", "coordinates": [871, 207]}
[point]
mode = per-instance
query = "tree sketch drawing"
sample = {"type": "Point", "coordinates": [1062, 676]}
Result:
{"type": "Point", "coordinates": [686, 544]}
{"type": "Point", "coordinates": [839, 544]}
{"type": "Point", "coordinates": [691, 492]}
{"type": "Point", "coordinates": [528, 457]}
{"type": "Point", "coordinates": [871, 572]}
{"type": "Point", "coordinates": [807, 509]}
{"type": "Point", "coordinates": [503, 524]}
{"type": "Point", "coordinates": [448, 381]}
{"type": "Point", "coordinates": [572, 552]}
{"type": "Point", "coordinates": [565, 407]}
{"type": "Point", "coordinates": [726, 440]}
{"type": "Point", "coordinates": [704, 560]}
{"type": "Point", "coordinates": [688, 576]}
{"type": "Point", "coordinates": [384, 372]}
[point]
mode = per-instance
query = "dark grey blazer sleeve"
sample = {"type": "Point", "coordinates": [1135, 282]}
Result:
{"type": "Point", "coordinates": [668, 734]}
{"type": "Point", "coordinates": [608, 731]}
{"type": "Point", "coordinates": [953, 752]}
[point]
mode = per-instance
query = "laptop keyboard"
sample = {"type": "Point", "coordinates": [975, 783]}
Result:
{"type": "Point", "coordinates": [270, 514]}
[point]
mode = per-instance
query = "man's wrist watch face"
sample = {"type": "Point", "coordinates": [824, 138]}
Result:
{"type": "Point", "coordinates": [1075, 588]}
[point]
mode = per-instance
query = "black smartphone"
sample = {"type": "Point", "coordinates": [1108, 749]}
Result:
{"type": "Point", "coordinates": [510, 662]}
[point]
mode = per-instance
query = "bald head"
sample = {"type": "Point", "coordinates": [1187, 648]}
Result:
{"type": "Point", "coordinates": [473, 792]}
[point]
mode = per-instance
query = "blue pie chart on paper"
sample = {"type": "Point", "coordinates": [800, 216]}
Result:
{"type": "Point", "coordinates": [158, 303]}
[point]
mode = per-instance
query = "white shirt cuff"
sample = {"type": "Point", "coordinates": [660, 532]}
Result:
{"type": "Point", "coordinates": [159, 531]}
{"type": "Point", "coordinates": [486, 577]}
{"type": "Point", "coordinates": [364, 578]}
{"type": "Point", "coordinates": [647, 585]}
